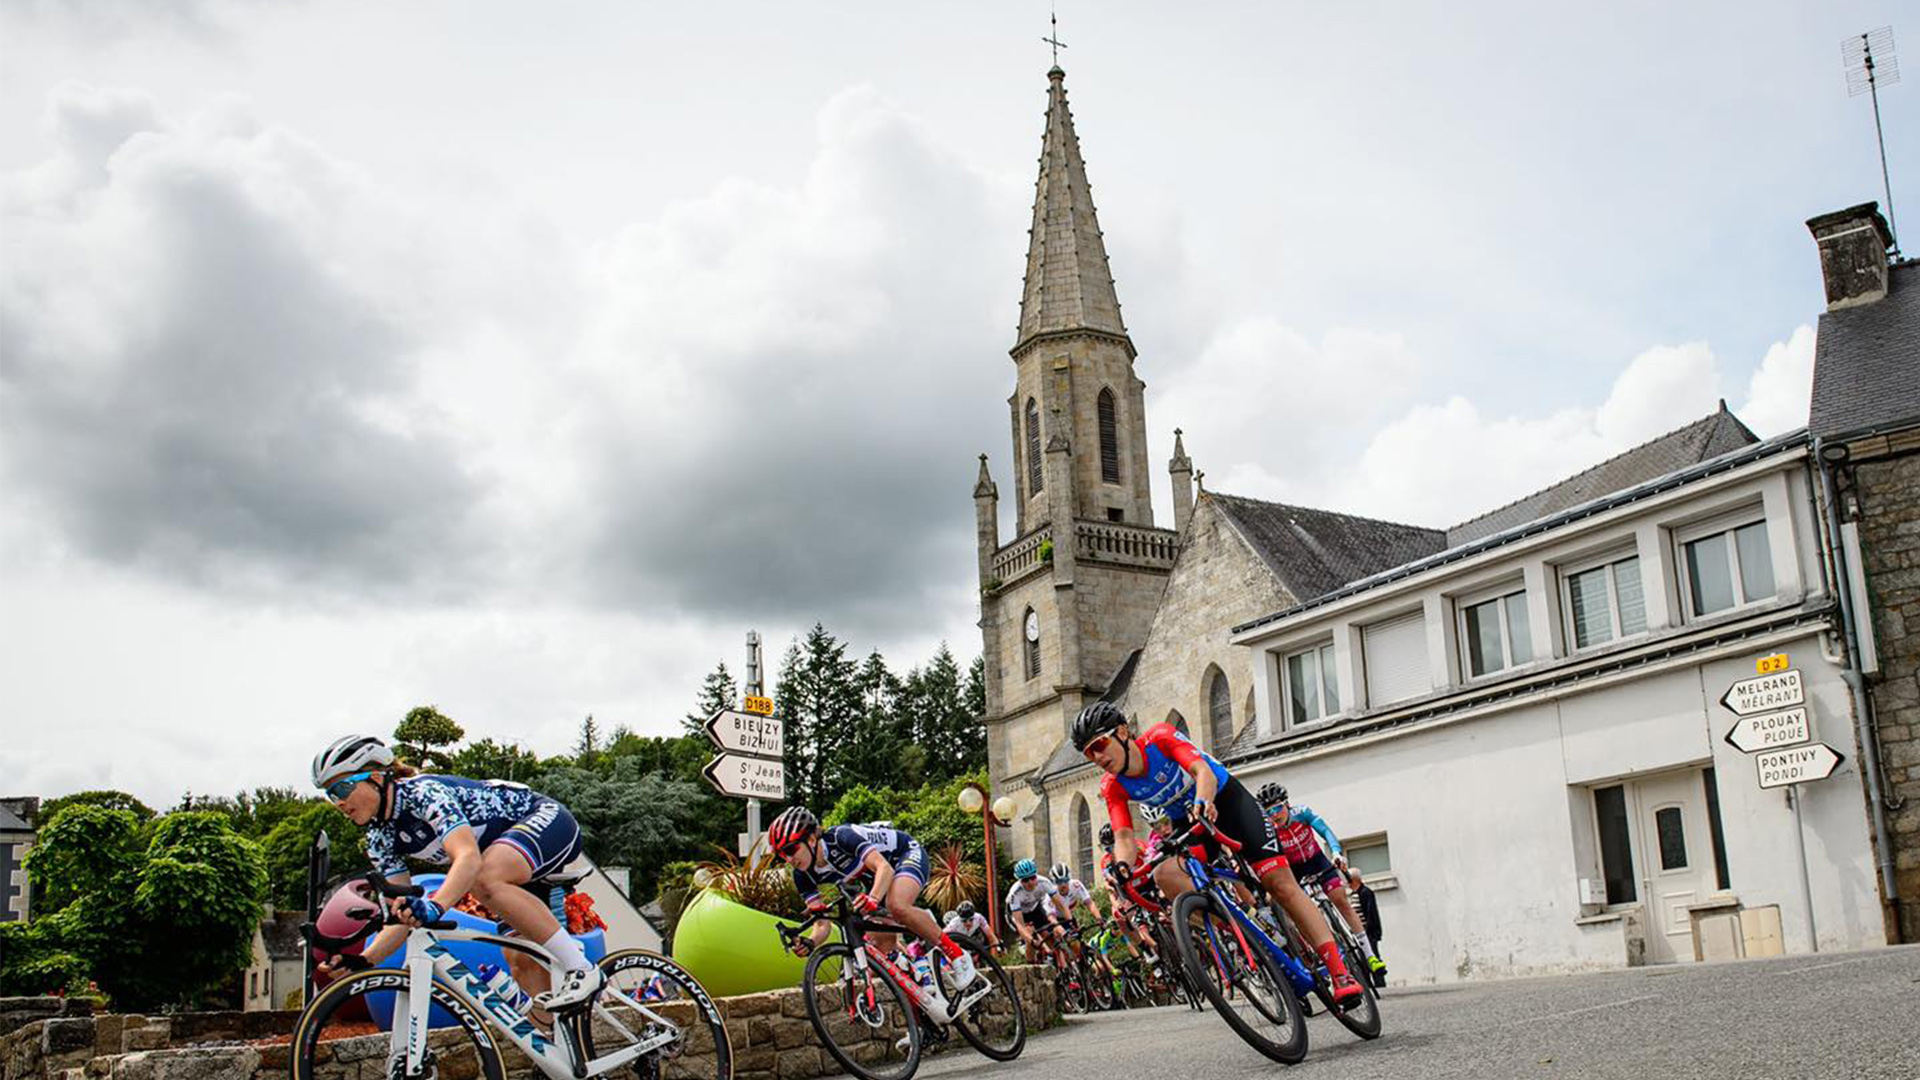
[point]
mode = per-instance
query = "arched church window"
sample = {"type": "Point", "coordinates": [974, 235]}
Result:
{"type": "Point", "coordinates": [1179, 722]}
{"type": "Point", "coordinates": [1082, 839]}
{"type": "Point", "coordinates": [1219, 712]}
{"type": "Point", "coordinates": [1036, 478]}
{"type": "Point", "coordinates": [1109, 439]}
{"type": "Point", "coordinates": [1030, 642]}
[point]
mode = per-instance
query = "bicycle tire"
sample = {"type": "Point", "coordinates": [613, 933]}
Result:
{"type": "Point", "coordinates": [1099, 990]}
{"type": "Point", "coordinates": [1291, 1049]}
{"type": "Point", "coordinates": [707, 1030]}
{"type": "Point", "coordinates": [1362, 1017]}
{"type": "Point", "coordinates": [885, 1008]}
{"type": "Point", "coordinates": [973, 1024]}
{"type": "Point", "coordinates": [310, 1031]}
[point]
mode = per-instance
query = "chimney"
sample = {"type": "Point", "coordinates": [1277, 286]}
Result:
{"type": "Point", "coordinates": [1853, 254]}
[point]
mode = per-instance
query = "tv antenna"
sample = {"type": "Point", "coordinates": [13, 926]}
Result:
{"type": "Point", "coordinates": [1871, 64]}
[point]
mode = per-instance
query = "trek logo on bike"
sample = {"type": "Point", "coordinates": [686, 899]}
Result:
{"type": "Point", "coordinates": [521, 1026]}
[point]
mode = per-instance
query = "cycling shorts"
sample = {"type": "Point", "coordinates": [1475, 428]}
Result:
{"type": "Point", "coordinates": [548, 838]}
{"type": "Point", "coordinates": [913, 864]}
{"type": "Point", "coordinates": [1320, 869]}
{"type": "Point", "coordinates": [1239, 817]}
{"type": "Point", "coordinates": [1040, 918]}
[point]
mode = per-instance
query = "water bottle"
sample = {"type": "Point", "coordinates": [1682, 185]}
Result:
{"type": "Point", "coordinates": [500, 981]}
{"type": "Point", "coordinates": [923, 972]}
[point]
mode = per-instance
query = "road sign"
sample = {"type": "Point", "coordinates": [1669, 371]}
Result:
{"type": "Point", "coordinates": [1798, 765]}
{"type": "Point", "coordinates": [757, 704]}
{"type": "Point", "coordinates": [746, 733]}
{"type": "Point", "coordinates": [747, 777]}
{"type": "Point", "coordinates": [1771, 731]}
{"type": "Point", "coordinates": [1766, 693]}
{"type": "Point", "coordinates": [1767, 665]}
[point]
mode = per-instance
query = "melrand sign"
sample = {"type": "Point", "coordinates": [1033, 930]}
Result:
{"type": "Point", "coordinates": [1765, 693]}
{"type": "Point", "coordinates": [1774, 723]}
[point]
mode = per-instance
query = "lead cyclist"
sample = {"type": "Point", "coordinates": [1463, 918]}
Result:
{"type": "Point", "coordinates": [1162, 769]}
{"type": "Point", "coordinates": [497, 840]}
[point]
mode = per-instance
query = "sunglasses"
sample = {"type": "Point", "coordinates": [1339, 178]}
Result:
{"type": "Point", "coordinates": [344, 786]}
{"type": "Point", "coordinates": [786, 850]}
{"type": "Point", "coordinates": [1098, 746]}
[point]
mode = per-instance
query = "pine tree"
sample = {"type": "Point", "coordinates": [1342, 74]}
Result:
{"type": "Point", "coordinates": [719, 691]}
{"type": "Point", "coordinates": [818, 699]}
{"type": "Point", "coordinates": [588, 747]}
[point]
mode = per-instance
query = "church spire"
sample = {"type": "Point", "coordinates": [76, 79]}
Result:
{"type": "Point", "coordinates": [1069, 285]}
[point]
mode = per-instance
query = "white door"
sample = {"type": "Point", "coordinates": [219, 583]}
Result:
{"type": "Point", "coordinates": [1675, 859]}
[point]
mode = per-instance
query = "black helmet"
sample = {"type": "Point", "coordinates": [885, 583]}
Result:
{"type": "Point", "coordinates": [1106, 836]}
{"type": "Point", "coordinates": [1094, 721]}
{"type": "Point", "coordinates": [965, 910]}
{"type": "Point", "coordinates": [1272, 795]}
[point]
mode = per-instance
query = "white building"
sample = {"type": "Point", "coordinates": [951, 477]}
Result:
{"type": "Point", "coordinates": [1522, 737]}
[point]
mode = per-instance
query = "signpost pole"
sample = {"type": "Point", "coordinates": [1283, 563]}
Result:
{"type": "Point", "coordinates": [1806, 879]}
{"type": "Point", "coordinates": [753, 689]}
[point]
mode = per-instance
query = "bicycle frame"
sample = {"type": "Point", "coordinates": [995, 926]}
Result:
{"type": "Point", "coordinates": [1217, 883]}
{"type": "Point", "coordinates": [865, 954]}
{"type": "Point", "coordinates": [429, 961]}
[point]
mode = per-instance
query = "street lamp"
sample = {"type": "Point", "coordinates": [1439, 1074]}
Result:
{"type": "Point", "coordinates": [973, 799]}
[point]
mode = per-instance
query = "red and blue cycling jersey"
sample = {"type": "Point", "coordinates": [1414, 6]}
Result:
{"type": "Point", "coordinates": [1166, 784]}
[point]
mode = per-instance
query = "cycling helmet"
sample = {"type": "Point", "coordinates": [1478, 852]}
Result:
{"type": "Point", "coordinates": [1272, 795]}
{"type": "Point", "coordinates": [1060, 874]}
{"type": "Point", "coordinates": [1152, 813]}
{"type": "Point", "coordinates": [347, 755]}
{"type": "Point", "coordinates": [1025, 869]}
{"type": "Point", "coordinates": [965, 910]}
{"type": "Point", "coordinates": [1094, 721]}
{"type": "Point", "coordinates": [950, 917]}
{"type": "Point", "coordinates": [1106, 836]}
{"type": "Point", "coordinates": [795, 824]}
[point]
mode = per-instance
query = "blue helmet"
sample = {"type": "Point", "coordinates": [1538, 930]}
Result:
{"type": "Point", "coordinates": [1025, 869]}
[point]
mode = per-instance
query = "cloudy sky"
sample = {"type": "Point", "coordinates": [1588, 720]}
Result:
{"type": "Point", "coordinates": [519, 358]}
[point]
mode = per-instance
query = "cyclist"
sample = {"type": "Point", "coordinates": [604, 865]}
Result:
{"type": "Point", "coordinates": [1162, 769]}
{"type": "Point", "coordinates": [965, 919]}
{"type": "Point", "coordinates": [1307, 840]}
{"type": "Point", "coordinates": [1035, 906]}
{"type": "Point", "coordinates": [498, 841]}
{"type": "Point", "coordinates": [895, 865]}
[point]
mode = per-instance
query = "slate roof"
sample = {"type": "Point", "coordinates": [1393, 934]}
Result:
{"type": "Point", "coordinates": [281, 933]}
{"type": "Point", "coordinates": [1717, 433]}
{"type": "Point", "coordinates": [10, 822]}
{"type": "Point", "coordinates": [1866, 370]}
{"type": "Point", "coordinates": [1313, 552]}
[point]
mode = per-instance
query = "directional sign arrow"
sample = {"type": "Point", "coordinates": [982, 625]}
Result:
{"type": "Point", "coordinates": [747, 777]}
{"type": "Point", "coordinates": [1765, 694]}
{"type": "Point", "coordinates": [1752, 734]}
{"type": "Point", "coordinates": [747, 733]}
{"type": "Point", "coordinates": [1798, 765]}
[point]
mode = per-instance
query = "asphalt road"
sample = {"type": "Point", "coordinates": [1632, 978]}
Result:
{"type": "Point", "coordinates": [1851, 1015]}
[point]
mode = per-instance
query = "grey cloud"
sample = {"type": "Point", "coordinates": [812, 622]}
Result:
{"type": "Point", "coordinates": [189, 383]}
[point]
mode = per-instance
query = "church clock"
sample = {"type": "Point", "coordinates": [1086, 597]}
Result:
{"type": "Point", "coordinates": [1033, 626]}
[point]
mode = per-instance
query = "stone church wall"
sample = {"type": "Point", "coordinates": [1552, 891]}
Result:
{"type": "Point", "coordinates": [1116, 608]}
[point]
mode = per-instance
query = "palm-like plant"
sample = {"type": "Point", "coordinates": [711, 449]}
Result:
{"type": "Point", "coordinates": [762, 882]}
{"type": "Point", "coordinates": [953, 879]}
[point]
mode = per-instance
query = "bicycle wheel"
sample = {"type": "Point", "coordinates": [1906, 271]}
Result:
{"type": "Point", "coordinates": [993, 1024]}
{"type": "Point", "coordinates": [1243, 985]}
{"type": "Point", "coordinates": [1072, 990]}
{"type": "Point", "coordinates": [1361, 1015]}
{"type": "Point", "coordinates": [341, 1025]}
{"type": "Point", "coordinates": [648, 995]}
{"type": "Point", "coordinates": [1099, 989]}
{"type": "Point", "coordinates": [860, 1015]}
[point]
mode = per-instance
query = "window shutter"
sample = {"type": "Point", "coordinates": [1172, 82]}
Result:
{"type": "Point", "coordinates": [1035, 473]}
{"type": "Point", "coordinates": [1396, 658]}
{"type": "Point", "coordinates": [1109, 439]}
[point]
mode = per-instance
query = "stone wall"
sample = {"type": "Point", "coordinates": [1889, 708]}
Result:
{"type": "Point", "coordinates": [771, 1036]}
{"type": "Point", "coordinates": [1889, 492]}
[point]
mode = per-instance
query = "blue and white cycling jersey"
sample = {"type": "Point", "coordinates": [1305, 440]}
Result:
{"type": "Point", "coordinates": [847, 847]}
{"type": "Point", "coordinates": [427, 808]}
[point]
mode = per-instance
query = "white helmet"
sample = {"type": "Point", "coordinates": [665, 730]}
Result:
{"type": "Point", "coordinates": [349, 754]}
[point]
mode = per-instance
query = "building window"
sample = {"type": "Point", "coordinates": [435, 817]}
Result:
{"type": "Point", "coordinates": [1036, 474]}
{"type": "Point", "coordinates": [1109, 439]}
{"type": "Point", "coordinates": [1496, 634]}
{"type": "Point", "coordinates": [1605, 602]}
{"type": "Point", "coordinates": [1114, 513]}
{"type": "Point", "coordinates": [1219, 712]}
{"type": "Point", "coordinates": [1369, 856]}
{"type": "Point", "coordinates": [1082, 839]}
{"type": "Point", "coordinates": [1030, 642]}
{"type": "Point", "coordinates": [1396, 659]}
{"type": "Point", "coordinates": [1179, 723]}
{"type": "Point", "coordinates": [1313, 688]}
{"type": "Point", "coordinates": [1616, 846]}
{"type": "Point", "coordinates": [1672, 827]}
{"type": "Point", "coordinates": [1728, 568]}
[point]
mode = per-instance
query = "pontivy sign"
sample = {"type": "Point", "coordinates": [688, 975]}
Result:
{"type": "Point", "coordinates": [1766, 693]}
{"type": "Point", "coordinates": [1798, 765]}
{"type": "Point", "coordinates": [1771, 731]}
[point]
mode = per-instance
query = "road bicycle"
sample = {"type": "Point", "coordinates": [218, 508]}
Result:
{"type": "Point", "coordinates": [1361, 1015]}
{"type": "Point", "coordinates": [875, 1018]}
{"type": "Point", "coordinates": [1250, 978]}
{"type": "Point", "coordinates": [652, 1017]}
{"type": "Point", "coordinates": [1150, 911]}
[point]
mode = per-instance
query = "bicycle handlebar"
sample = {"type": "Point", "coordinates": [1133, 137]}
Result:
{"type": "Point", "coordinates": [375, 916]}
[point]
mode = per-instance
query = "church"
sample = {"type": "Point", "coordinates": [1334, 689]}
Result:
{"type": "Point", "coordinates": [1527, 696]}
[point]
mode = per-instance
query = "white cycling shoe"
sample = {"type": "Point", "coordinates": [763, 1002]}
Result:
{"type": "Point", "coordinates": [577, 988]}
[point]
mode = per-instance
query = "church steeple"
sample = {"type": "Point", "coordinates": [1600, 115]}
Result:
{"type": "Point", "coordinates": [1069, 285]}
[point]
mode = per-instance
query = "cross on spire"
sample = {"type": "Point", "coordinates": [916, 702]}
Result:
{"type": "Point", "coordinates": [1053, 39]}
